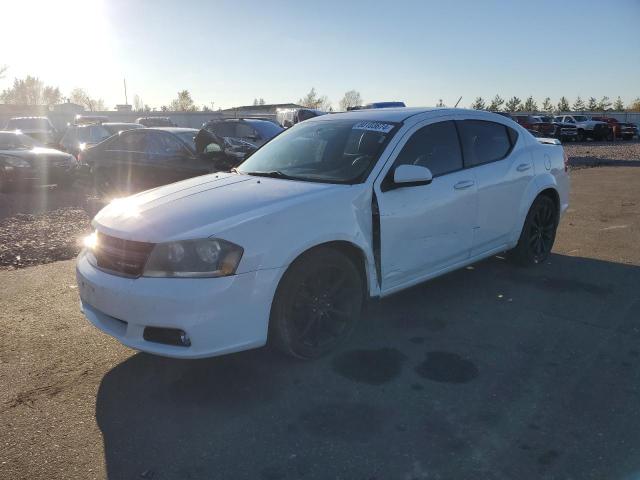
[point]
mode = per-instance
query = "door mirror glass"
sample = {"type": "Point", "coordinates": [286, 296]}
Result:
{"type": "Point", "coordinates": [411, 175]}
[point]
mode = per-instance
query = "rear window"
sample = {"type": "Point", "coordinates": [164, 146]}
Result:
{"type": "Point", "coordinates": [484, 142]}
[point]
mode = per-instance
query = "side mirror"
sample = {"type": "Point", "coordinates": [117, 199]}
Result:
{"type": "Point", "coordinates": [212, 150]}
{"type": "Point", "coordinates": [411, 176]}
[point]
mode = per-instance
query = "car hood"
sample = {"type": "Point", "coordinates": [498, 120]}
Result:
{"type": "Point", "coordinates": [202, 206]}
{"type": "Point", "coordinates": [38, 155]}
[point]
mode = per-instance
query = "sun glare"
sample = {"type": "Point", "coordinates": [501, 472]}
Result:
{"type": "Point", "coordinates": [65, 39]}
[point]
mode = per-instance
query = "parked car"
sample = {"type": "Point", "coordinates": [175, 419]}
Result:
{"type": "Point", "coordinates": [562, 131]}
{"type": "Point", "coordinates": [25, 162]}
{"type": "Point", "coordinates": [155, 122]}
{"type": "Point", "coordinates": [252, 130]}
{"type": "Point", "coordinates": [535, 123]}
{"type": "Point", "coordinates": [619, 129]}
{"type": "Point", "coordinates": [78, 138]}
{"type": "Point", "coordinates": [335, 210]}
{"type": "Point", "coordinates": [89, 119]}
{"type": "Point", "coordinates": [587, 128]}
{"type": "Point", "coordinates": [135, 160]}
{"type": "Point", "coordinates": [38, 128]}
{"type": "Point", "coordinates": [288, 117]}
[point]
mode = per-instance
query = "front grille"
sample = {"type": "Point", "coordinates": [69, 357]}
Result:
{"type": "Point", "coordinates": [124, 257]}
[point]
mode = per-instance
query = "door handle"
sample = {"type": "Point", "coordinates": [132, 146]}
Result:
{"type": "Point", "coordinates": [464, 184]}
{"type": "Point", "coordinates": [523, 167]}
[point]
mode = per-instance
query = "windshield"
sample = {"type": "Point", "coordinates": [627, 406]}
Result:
{"type": "Point", "coordinates": [16, 141]}
{"type": "Point", "coordinates": [29, 124]}
{"type": "Point", "coordinates": [93, 134]}
{"type": "Point", "coordinates": [340, 151]}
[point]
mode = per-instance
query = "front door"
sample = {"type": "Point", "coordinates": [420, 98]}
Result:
{"type": "Point", "coordinates": [425, 229]}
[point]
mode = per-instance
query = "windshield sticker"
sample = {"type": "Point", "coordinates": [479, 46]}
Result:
{"type": "Point", "coordinates": [374, 127]}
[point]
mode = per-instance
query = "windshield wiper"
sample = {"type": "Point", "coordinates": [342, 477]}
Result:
{"type": "Point", "coordinates": [271, 174]}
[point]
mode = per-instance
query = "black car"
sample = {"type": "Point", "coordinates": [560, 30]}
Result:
{"type": "Point", "coordinates": [256, 131]}
{"type": "Point", "coordinates": [80, 137]}
{"type": "Point", "coordinates": [25, 162]}
{"type": "Point", "coordinates": [135, 160]}
{"type": "Point", "coordinates": [38, 128]}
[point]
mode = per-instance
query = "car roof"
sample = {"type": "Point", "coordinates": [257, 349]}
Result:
{"type": "Point", "coordinates": [398, 114]}
{"type": "Point", "coordinates": [29, 118]}
{"type": "Point", "coordinates": [168, 129]}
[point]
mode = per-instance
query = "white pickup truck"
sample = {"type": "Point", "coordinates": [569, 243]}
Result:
{"type": "Point", "coordinates": [587, 128]}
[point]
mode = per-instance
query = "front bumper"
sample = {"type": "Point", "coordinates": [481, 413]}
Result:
{"type": "Point", "coordinates": [219, 315]}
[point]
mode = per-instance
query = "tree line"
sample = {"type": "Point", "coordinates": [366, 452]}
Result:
{"type": "Point", "coordinates": [515, 104]}
{"type": "Point", "coordinates": [32, 91]}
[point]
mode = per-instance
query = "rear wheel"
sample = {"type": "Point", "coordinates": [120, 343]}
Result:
{"type": "Point", "coordinates": [538, 233]}
{"type": "Point", "coordinates": [317, 305]}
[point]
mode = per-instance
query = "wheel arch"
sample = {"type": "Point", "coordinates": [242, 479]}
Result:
{"type": "Point", "coordinates": [546, 187]}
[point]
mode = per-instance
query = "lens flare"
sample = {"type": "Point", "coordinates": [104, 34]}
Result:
{"type": "Point", "coordinates": [90, 241]}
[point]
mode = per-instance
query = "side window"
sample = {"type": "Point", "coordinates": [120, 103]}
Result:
{"type": "Point", "coordinates": [133, 142]}
{"type": "Point", "coordinates": [160, 144]}
{"type": "Point", "coordinates": [435, 146]}
{"type": "Point", "coordinates": [483, 142]}
{"type": "Point", "coordinates": [224, 129]}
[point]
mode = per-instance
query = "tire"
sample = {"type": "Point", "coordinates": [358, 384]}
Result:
{"type": "Point", "coordinates": [538, 233]}
{"type": "Point", "coordinates": [581, 137]}
{"type": "Point", "coordinates": [104, 184]}
{"type": "Point", "coordinates": [317, 305]}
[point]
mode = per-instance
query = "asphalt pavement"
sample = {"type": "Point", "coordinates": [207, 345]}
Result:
{"type": "Point", "coordinates": [490, 372]}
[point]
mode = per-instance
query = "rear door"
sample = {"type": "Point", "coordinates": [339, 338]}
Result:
{"type": "Point", "coordinates": [427, 228]}
{"type": "Point", "coordinates": [503, 168]}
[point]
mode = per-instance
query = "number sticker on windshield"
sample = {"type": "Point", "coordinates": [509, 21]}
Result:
{"type": "Point", "coordinates": [373, 127]}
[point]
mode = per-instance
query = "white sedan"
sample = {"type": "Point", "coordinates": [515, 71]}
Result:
{"type": "Point", "coordinates": [337, 209]}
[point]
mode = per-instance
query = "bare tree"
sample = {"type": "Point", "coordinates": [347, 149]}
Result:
{"type": "Point", "coordinates": [478, 104]}
{"type": "Point", "coordinates": [3, 70]}
{"type": "Point", "coordinates": [496, 104]}
{"type": "Point", "coordinates": [312, 100]}
{"type": "Point", "coordinates": [635, 105]}
{"type": "Point", "coordinates": [352, 98]}
{"type": "Point", "coordinates": [81, 97]}
{"type": "Point", "coordinates": [138, 104]}
{"type": "Point", "coordinates": [183, 103]}
{"type": "Point", "coordinates": [31, 91]}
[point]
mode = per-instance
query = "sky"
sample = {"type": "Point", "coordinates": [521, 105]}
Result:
{"type": "Point", "coordinates": [230, 52]}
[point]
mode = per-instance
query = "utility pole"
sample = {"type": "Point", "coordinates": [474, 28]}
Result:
{"type": "Point", "coordinates": [126, 102]}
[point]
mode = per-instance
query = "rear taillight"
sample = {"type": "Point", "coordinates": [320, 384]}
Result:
{"type": "Point", "coordinates": [566, 160]}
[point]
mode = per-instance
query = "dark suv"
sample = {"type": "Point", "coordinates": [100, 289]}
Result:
{"type": "Point", "coordinates": [253, 130]}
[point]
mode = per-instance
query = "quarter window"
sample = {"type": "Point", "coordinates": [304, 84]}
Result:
{"type": "Point", "coordinates": [436, 147]}
{"type": "Point", "coordinates": [483, 142]}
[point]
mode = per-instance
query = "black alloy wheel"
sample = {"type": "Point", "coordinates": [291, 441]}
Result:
{"type": "Point", "coordinates": [538, 233]}
{"type": "Point", "coordinates": [317, 305]}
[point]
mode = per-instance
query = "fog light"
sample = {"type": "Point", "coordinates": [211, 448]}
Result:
{"type": "Point", "coordinates": [167, 336]}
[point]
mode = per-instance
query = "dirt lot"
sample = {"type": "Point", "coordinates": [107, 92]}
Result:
{"type": "Point", "coordinates": [491, 372]}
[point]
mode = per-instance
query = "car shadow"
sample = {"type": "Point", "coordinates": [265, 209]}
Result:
{"type": "Point", "coordinates": [488, 372]}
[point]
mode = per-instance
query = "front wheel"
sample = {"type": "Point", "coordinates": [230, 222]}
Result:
{"type": "Point", "coordinates": [538, 233]}
{"type": "Point", "coordinates": [317, 304]}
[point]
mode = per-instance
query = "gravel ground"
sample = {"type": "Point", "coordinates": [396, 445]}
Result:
{"type": "Point", "coordinates": [603, 153]}
{"type": "Point", "coordinates": [27, 240]}
{"type": "Point", "coordinates": [45, 225]}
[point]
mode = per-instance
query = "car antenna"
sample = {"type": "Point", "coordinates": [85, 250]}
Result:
{"type": "Point", "coordinates": [456, 105]}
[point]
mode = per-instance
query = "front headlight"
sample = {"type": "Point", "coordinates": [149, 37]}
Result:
{"type": "Point", "coordinates": [208, 257]}
{"type": "Point", "coordinates": [16, 162]}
